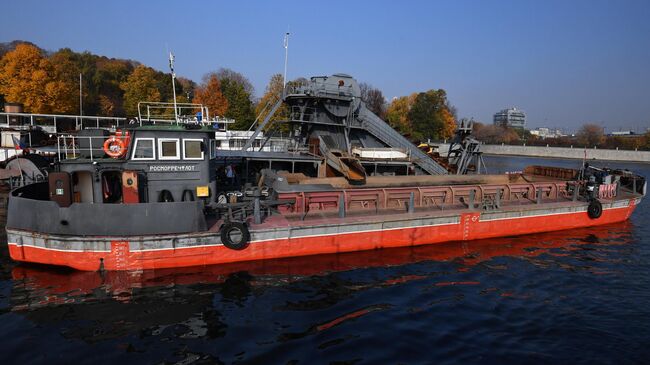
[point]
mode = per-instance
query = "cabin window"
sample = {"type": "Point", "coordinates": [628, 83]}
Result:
{"type": "Point", "coordinates": [168, 149]}
{"type": "Point", "coordinates": [144, 149]}
{"type": "Point", "coordinates": [193, 149]}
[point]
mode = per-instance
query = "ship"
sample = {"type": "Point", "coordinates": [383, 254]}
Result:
{"type": "Point", "coordinates": [159, 194]}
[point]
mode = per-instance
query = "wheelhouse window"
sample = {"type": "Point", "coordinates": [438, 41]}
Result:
{"type": "Point", "coordinates": [144, 149]}
{"type": "Point", "coordinates": [168, 149]}
{"type": "Point", "coordinates": [193, 149]}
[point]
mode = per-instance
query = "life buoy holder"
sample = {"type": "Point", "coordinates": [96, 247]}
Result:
{"type": "Point", "coordinates": [115, 147]}
{"type": "Point", "coordinates": [595, 209]}
{"type": "Point", "coordinates": [235, 235]}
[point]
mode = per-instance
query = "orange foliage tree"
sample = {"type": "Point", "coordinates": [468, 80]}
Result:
{"type": "Point", "coordinates": [42, 85]}
{"type": "Point", "coordinates": [209, 94]}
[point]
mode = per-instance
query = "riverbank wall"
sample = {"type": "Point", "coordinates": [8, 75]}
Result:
{"type": "Point", "coordinates": [563, 152]}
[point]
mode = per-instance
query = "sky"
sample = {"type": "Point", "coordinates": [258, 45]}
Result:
{"type": "Point", "coordinates": [565, 63]}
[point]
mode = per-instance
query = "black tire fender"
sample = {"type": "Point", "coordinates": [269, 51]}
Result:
{"type": "Point", "coordinates": [595, 209]}
{"type": "Point", "coordinates": [235, 235]}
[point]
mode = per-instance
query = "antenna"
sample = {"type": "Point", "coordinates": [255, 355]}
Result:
{"type": "Point", "coordinates": [171, 67]}
{"type": "Point", "coordinates": [286, 57]}
{"type": "Point", "coordinates": [81, 103]}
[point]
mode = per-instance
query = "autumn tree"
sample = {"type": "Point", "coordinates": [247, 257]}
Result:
{"type": "Point", "coordinates": [209, 94]}
{"type": "Point", "coordinates": [494, 134]}
{"type": "Point", "coordinates": [591, 135]}
{"type": "Point", "coordinates": [139, 86]}
{"type": "Point", "coordinates": [63, 89]}
{"type": "Point", "coordinates": [105, 82]}
{"type": "Point", "coordinates": [272, 94]}
{"type": "Point", "coordinates": [24, 76]}
{"type": "Point", "coordinates": [397, 113]}
{"type": "Point", "coordinates": [645, 144]}
{"type": "Point", "coordinates": [374, 99]}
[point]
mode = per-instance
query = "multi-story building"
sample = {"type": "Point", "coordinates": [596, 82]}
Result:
{"type": "Point", "coordinates": [512, 117]}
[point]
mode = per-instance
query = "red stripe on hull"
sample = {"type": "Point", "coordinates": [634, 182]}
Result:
{"type": "Point", "coordinates": [470, 228]}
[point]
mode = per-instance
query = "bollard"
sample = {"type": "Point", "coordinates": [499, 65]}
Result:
{"type": "Point", "coordinates": [341, 206]}
{"type": "Point", "coordinates": [411, 205]}
{"type": "Point", "coordinates": [576, 192]}
{"type": "Point", "coordinates": [539, 196]}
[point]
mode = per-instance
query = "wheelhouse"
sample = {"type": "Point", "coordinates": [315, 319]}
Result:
{"type": "Point", "coordinates": [139, 165]}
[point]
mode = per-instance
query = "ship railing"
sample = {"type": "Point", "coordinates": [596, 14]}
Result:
{"type": "Point", "coordinates": [179, 113]}
{"type": "Point", "coordinates": [272, 145]}
{"type": "Point", "coordinates": [322, 88]}
{"type": "Point", "coordinates": [71, 146]}
{"type": "Point", "coordinates": [57, 123]}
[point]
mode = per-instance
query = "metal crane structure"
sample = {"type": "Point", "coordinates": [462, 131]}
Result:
{"type": "Point", "coordinates": [327, 115]}
{"type": "Point", "coordinates": [464, 154]}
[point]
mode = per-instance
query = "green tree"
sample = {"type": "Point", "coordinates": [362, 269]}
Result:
{"type": "Point", "coordinates": [240, 107]}
{"type": "Point", "coordinates": [424, 115]}
{"type": "Point", "coordinates": [140, 86]}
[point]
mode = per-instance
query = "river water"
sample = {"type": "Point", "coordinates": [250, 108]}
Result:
{"type": "Point", "coordinates": [580, 296]}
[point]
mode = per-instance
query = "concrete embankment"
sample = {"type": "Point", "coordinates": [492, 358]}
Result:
{"type": "Point", "coordinates": [563, 152]}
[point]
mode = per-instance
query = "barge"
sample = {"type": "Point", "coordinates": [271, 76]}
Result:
{"type": "Point", "coordinates": [162, 195]}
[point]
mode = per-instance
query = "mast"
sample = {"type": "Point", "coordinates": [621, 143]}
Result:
{"type": "Point", "coordinates": [171, 67]}
{"type": "Point", "coordinates": [286, 58]}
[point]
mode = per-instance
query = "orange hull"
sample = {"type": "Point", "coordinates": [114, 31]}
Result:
{"type": "Point", "coordinates": [471, 227]}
